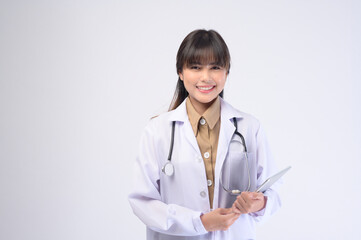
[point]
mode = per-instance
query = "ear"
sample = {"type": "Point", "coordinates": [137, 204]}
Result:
{"type": "Point", "coordinates": [181, 76]}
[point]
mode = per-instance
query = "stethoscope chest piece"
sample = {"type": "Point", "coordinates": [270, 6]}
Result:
{"type": "Point", "coordinates": [168, 169]}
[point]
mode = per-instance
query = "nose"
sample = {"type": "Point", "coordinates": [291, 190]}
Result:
{"type": "Point", "coordinates": [205, 75]}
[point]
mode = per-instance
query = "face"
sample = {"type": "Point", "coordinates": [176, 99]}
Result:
{"type": "Point", "coordinates": [203, 83]}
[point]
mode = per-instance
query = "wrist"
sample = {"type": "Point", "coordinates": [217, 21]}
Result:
{"type": "Point", "coordinates": [264, 204]}
{"type": "Point", "coordinates": [204, 221]}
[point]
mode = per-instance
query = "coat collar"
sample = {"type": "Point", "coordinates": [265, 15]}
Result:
{"type": "Point", "coordinates": [227, 112]}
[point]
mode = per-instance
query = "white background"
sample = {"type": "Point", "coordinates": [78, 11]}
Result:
{"type": "Point", "coordinates": [80, 79]}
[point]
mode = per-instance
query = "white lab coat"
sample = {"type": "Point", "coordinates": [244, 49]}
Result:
{"type": "Point", "coordinates": [170, 207]}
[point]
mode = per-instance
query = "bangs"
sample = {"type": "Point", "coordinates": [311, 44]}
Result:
{"type": "Point", "coordinates": [205, 53]}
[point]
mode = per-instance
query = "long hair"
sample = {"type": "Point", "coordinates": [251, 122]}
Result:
{"type": "Point", "coordinates": [199, 46]}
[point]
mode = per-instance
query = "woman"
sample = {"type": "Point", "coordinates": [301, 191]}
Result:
{"type": "Point", "coordinates": [193, 163]}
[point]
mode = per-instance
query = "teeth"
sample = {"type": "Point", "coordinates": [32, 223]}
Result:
{"type": "Point", "coordinates": [205, 88]}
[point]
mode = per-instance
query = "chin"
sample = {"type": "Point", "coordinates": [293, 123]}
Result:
{"type": "Point", "coordinates": [208, 100]}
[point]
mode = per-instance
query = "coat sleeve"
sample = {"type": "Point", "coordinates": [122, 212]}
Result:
{"type": "Point", "coordinates": [266, 167]}
{"type": "Point", "coordinates": [145, 198]}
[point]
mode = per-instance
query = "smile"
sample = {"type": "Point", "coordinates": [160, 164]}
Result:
{"type": "Point", "coordinates": [205, 88]}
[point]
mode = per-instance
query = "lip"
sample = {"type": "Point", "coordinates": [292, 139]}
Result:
{"type": "Point", "coordinates": [206, 89]}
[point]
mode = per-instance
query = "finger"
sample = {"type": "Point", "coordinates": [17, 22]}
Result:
{"type": "Point", "coordinates": [245, 200]}
{"type": "Point", "coordinates": [251, 202]}
{"type": "Point", "coordinates": [229, 210]}
{"type": "Point", "coordinates": [255, 197]}
{"type": "Point", "coordinates": [230, 216]}
{"type": "Point", "coordinates": [247, 196]}
{"type": "Point", "coordinates": [235, 209]}
{"type": "Point", "coordinates": [240, 207]}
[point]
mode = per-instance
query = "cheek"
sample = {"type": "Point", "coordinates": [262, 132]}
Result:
{"type": "Point", "coordinates": [189, 80]}
{"type": "Point", "coordinates": [221, 81]}
{"type": "Point", "coordinates": [187, 84]}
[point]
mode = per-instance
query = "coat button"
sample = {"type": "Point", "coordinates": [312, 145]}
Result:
{"type": "Point", "coordinates": [209, 182]}
{"type": "Point", "coordinates": [202, 121]}
{"type": "Point", "coordinates": [199, 159]}
{"type": "Point", "coordinates": [206, 154]}
{"type": "Point", "coordinates": [203, 194]}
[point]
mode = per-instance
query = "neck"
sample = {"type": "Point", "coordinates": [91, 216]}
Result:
{"type": "Point", "coordinates": [201, 107]}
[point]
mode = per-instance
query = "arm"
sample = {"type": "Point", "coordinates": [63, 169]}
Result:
{"type": "Point", "coordinates": [145, 198]}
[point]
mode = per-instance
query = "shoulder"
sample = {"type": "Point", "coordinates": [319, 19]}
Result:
{"type": "Point", "coordinates": [177, 115]}
{"type": "Point", "coordinates": [158, 121]}
{"type": "Point", "coordinates": [160, 126]}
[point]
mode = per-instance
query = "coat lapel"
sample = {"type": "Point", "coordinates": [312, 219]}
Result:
{"type": "Point", "coordinates": [225, 135]}
{"type": "Point", "coordinates": [188, 132]}
{"type": "Point", "coordinates": [180, 115]}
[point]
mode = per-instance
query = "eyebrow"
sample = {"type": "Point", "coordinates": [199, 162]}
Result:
{"type": "Point", "coordinates": [198, 63]}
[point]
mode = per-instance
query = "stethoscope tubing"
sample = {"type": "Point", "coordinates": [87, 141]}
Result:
{"type": "Point", "coordinates": [237, 191]}
{"type": "Point", "coordinates": [171, 142]}
{"type": "Point", "coordinates": [168, 168]}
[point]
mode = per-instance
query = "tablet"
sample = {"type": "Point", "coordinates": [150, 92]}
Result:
{"type": "Point", "coordinates": [271, 180]}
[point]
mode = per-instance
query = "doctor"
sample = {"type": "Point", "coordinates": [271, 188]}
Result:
{"type": "Point", "coordinates": [190, 157]}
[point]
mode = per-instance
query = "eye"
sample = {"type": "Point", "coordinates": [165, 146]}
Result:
{"type": "Point", "coordinates": [195, 67]}
{"type": "Point", "coordinates": [216, 67]}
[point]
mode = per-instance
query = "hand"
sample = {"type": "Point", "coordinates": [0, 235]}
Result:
{"type": "Point", "coordinates": [248, 202]}
{"type": "Point", "coordinates": [219, 219]}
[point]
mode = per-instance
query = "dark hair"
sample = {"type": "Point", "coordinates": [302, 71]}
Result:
{"type": "Point", "coordinates": [198, 47]}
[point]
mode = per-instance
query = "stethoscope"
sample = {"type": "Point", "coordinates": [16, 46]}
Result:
{"type": "Point", "coordinates": [168, 168]}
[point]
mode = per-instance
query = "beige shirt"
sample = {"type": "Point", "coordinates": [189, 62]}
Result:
{"type": "Point", "coordinates": [206, 129]}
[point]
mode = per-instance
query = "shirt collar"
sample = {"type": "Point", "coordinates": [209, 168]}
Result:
{"type": "Point", "coordinates": [211, 115]}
